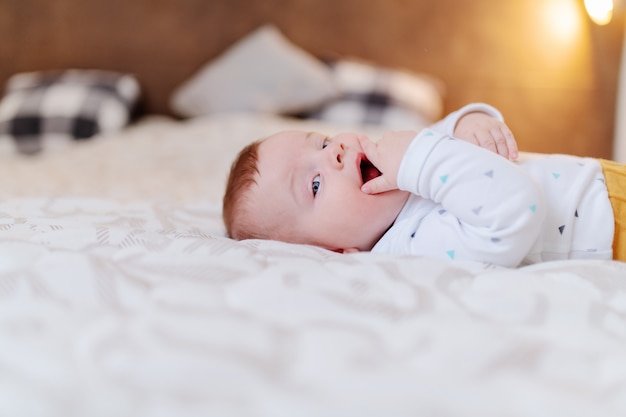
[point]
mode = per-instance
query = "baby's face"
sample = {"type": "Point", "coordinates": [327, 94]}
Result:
{"type": "Point", "coordinates": [310, 184]}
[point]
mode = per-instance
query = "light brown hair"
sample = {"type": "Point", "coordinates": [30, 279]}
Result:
{"type": "Point", "coordinates": [243, 174]}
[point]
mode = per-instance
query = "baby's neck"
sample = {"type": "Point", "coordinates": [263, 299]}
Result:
{"type": "Point", "coordinates": [393, 220]}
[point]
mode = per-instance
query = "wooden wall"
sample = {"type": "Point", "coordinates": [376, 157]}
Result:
{"type": "Point", "coordinates": [555, 82]}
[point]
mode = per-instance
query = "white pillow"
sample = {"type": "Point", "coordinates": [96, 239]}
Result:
{"type": "Point", "coordinates": [370, 94]}
{"type": "Point", "coordinates": [263, 72]}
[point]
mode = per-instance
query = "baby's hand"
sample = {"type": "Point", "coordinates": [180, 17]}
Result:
{"type": "Point", "coordinates": [487, 132]}
{"type": "Point", "coordinates": [386, 155]}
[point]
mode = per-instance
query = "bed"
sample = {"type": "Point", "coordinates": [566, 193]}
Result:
{"type": "Point", "coordinates": [120, 294]}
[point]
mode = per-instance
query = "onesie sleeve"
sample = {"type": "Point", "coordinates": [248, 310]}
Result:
{"type": "Point", "coordinates": [448, 124]}
{"type": "Point", "coordinates": [486, 208]}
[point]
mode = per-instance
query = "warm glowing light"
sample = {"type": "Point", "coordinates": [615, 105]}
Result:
{"type": "Point", "coordinates": [600, 11]}
{"type": "Point", "coordinates": [562, 21]}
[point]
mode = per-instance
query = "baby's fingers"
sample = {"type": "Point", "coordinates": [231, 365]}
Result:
{"type": "Point", "coordinates": [484, 139]}
{"type": "Point", "coordinates": [499, 144]}
{"type": "Point", "coordinates": [378, 185]}
{"type": "Point", "coordinates": [369, 149]}
{"type": "Point", "coordinates": [511, 143]}
{"type": "Point", "coordinates": [504, 142]}
{"type": "Point", "coordinates": [499, 140]}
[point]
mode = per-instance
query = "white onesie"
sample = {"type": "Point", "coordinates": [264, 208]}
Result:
{"type": "Point", "coordinates": [470, 204]}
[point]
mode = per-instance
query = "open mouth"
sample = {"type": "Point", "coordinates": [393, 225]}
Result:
{"type": "Point", "coordinates": [368, 171]}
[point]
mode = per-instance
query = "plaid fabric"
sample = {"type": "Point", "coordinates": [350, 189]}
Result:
{"type": "Point", "coordinates": [380, 96]}
{"type": "Point", "coordinates": [41, 109]}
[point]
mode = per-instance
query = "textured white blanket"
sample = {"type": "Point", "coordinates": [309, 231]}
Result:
{"type": "Point", "coordinates": [119, 296]}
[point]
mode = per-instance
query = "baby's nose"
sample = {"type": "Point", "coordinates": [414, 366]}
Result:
{"type": "Point", "coordinates": [338, 152]}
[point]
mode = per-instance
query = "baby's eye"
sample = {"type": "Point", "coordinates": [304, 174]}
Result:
{"type": "Point", "coordinates": [316, 184]}
{"type": "Point", "coordinates": [325, 142]}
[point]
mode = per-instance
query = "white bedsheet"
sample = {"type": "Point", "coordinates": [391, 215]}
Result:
{"type": "Point", "coordinates": [119, 296]}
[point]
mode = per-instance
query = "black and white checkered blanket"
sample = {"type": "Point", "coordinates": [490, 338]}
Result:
{"type": "Point", "coordinates": [49, 108]}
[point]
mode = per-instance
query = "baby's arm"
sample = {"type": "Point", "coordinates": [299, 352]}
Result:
{"type": "Point", "coordinates": [477, 123]}
{"type": "Point", "coordinates": [492, 209]}
{"type": "Point", "coordinates": [482, 125]}
{"type": "Point", "coordinates": [489, 209]}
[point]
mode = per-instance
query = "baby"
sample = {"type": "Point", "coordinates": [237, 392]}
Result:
{"type": "Point", "coordinates": [427, 193]}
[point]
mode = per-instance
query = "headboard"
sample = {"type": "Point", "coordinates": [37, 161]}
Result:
{"type": "Point", "coordinates": [550, 71]}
